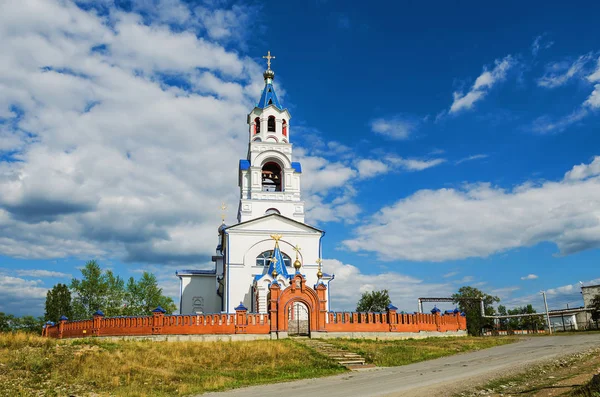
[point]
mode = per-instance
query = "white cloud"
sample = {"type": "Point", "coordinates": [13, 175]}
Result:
{"type": "Point", "coordinates": [404, 290]}
{"type": "Point", "coordinates": [479, 220]}
{"type": "Point", "coordinates": [584, 171]}
{"type": "Point", "coordinates": [529, 277]}
{"type": "Point", "coordinates": [593, 100]}
{"type": "Point", "coordinates": [482, 85]}
{"type": "Point", "coordinates": [546, 124]}
{"type": "Point", "coordinates": [471, 158]}
{"type": "Point", "coordinates": [595, 76]}
{"type": "Point", "coordinates": [370, 168]}
{"type": "Point", "coordinates": [40, 273]}
{"type": "Point", "coordinates": [540, 44]}
{"type": "Point", "coordinates": [122, 125]}
{"type": "Point", "coordinates": [450, 274]}
{"type": "Point", "coordinates": [414, 164]}
{"type": "Point", "coordinates": [396, 127]}
{"type": "Point", "coordinates": [559, 73]}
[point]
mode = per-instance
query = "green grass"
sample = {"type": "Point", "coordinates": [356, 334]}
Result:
{"type": "Point", "coordinates": [31, 365]}
{"type": "Point", "coordinates": [389, 353]}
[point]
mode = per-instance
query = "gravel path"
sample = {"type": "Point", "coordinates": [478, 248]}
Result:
{"type": "Point", "coordinates": [440, 377]}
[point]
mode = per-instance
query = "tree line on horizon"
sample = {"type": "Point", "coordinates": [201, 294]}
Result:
{"type": "Point", "coordinates": [96, 290]}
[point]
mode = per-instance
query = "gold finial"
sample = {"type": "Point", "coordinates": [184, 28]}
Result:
{"type": "Point", "coordinates": [223, 209]}
{"type": "Point", "coordinates": [276, 237]}
{"type": "Point", "coordinates": [319, 272]}
{"type": "Point", "coordinates": [297, 263]}
{"type": "Point", "coordinates": [268, 57]}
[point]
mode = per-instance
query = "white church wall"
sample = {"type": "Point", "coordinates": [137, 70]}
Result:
{"type": "Point", "coordinates": [199, 295]}
{"type": "Point", "coordinates": [249, 244]}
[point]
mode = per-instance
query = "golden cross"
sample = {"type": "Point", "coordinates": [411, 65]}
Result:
{"type": "Point", "coordinates": [276, 237]}
{"type": "Point", "coordinates": [223, 209]}
{"type": "Point", "coordinates": [319, 261]}
{"type": "Point", "coordinates": [268, 57]}
{"type": "Point", "coordinates": [274, 260]}
{"type": "Point", "coordinates": [297, 248]}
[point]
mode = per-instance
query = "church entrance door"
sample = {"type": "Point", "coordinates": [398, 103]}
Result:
{"type": "Point", "coordinates": [298, 320]}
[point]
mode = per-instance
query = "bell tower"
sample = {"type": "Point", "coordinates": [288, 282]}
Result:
{"type": "Point", "coordinates": [269, 180]}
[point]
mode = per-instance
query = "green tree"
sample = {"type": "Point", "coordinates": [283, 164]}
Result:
{"type": "Point", "coordinates": [109, 293]}
{"type": "Point", "coordinates": [143, 296]}
{"type": "Point", "coordinates": [6, 322]}
{"type": "Point", "coordinates": [468, 300]}
{"type": "Point", "coordinates": [28, 324]}
{"type": "Point", "coordinates": [58, 303]}
{"type": "Point", "coordinates": [90, 292]}
{"type": "Point", "coordinates": [374, 301]}
{"type": "Point", "coordinates": [529, 322]}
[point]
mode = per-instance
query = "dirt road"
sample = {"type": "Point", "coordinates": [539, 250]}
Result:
{"type": "Point", "coordinates": [439, 377]}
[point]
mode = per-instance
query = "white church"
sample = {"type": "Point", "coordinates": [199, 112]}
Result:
{"type": "Point", "coordinates": [271, 241]}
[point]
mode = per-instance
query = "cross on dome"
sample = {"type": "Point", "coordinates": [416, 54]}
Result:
{"type": "Point", "coordinates": [268, 57]}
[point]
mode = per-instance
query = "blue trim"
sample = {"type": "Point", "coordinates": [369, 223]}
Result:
{"type": "Point", "coordinates": [99, 313]}
{"type": "Point", "coordinates": [297, 166]}
{"type": "Point", "coordinates": [63, 318]}
{"type": "Point", "coordinates": [241, 307]}
{"type": "Point", "coordinates": [245, 164]}
{"type": "Point", "coordinates": [435, 310]}
{"type": "Point", "coordinates": [159, 310]}
{"type": "Point", "coordinates": [392, 307]}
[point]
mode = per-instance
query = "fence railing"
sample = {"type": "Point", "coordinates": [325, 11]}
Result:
{"type": "Point", "coordinates": [247, 323]}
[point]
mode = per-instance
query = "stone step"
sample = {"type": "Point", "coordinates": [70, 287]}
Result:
{"type": "Point", "coordinates": [350, 360]}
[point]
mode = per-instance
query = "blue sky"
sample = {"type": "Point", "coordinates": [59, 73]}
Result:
{"type": "Point", "coordinates": [441, 146]}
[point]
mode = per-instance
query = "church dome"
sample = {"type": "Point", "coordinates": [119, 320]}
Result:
{"type": "Point", "coordinates": [269, 74]}
{"type": "Point", "coordinates": [222, 227]}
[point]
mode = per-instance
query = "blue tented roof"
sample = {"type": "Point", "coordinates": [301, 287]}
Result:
{"type": "Point", "coordinates": [268, 97]}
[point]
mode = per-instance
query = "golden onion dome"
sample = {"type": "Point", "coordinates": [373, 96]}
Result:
{"type": "Point", "coordinates": [297, 264]}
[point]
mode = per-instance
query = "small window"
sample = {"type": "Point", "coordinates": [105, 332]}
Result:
{"type": "Point", "coordinates": [272, 211]}
{"type": "Point", "coordinates": [257, 125]}
{"type": "Point", "coordinates": [270, 101]}
{"type": "Point", "coordinates": [264, 259]}
{"type": "Point", "coordinates": [284, 128]}
{"type": "Point", "coordinates": [257, 139]}
{"type": "Point", "coordinates": [271, 124]}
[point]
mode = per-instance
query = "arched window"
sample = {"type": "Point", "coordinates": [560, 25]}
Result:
{"type": "Point", "coordinates": [284, 128]}
{"type": "Point", "coordinates": [272, 211]}
{"type": "Point", "coordinates": [271, 177]}
{"type": "Point", "coordinates": [257, 125]}
{"type": "Point", "coordinates": [257, 139]}
{"type": "Point", "coordinates": [271, 124]}
{"type": "Point", "coordinates": [264, 259]}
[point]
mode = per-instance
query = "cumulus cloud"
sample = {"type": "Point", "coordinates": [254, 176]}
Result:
{"type": "Point", "coordinates": [478, 220]}
{"type": "Point", "coordinates": [404, 290]}
{"type": "Point", "coordinates": [483, 84]}
{"type": "Point", "coordinates": [117, 125]}
{"type": "Point", "coordinates": [559, 73]}
{"type": "Point", "coordinates": [529, 277]}
{"type": "Point", "coordinates": [398, 127]}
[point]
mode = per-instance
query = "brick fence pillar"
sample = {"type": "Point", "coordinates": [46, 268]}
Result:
{"type": "Point", "coordinates": [61, 326]}
{"type": "Point", "coordinates": [158, 316]}
{"type": "Point", "coordinates": [274, 291]}
{"type": "Point", "coordinates": [392, 317]}
{"type": "Point", "coordinates": [97, 322]}
{"type": "Point", "coordinates": [241, 319]}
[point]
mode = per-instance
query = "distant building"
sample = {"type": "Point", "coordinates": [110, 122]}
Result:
{"type": "Point", "coordinates": [589, 292]}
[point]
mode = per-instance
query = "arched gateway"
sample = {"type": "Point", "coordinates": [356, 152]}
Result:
{"type": "Point", "coordinates": [297, 309]}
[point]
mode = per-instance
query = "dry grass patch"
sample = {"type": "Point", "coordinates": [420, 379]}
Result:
{"type": "Point", "coordinates": [31, 366]}
{"type": "Point", "coordinates": [389, 353]}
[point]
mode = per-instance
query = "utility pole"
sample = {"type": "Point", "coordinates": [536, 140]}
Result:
{"type": "Point", "coordinates": [547, 314]}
